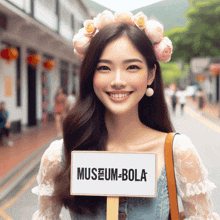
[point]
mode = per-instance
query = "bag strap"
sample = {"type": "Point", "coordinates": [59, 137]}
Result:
{"type": "Point", "coordinates": [171, 183]}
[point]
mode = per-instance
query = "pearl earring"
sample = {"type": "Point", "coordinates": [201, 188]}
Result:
{"type": "Point", "coordinates": [149, 92]}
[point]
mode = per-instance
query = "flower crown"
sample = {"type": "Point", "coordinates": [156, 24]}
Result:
{"type": "Point", "coordinates": [154, 30]}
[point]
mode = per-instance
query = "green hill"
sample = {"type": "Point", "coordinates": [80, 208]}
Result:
{"type": "Point", "coordinates": [169, 12]}
{"type": "Point", "coordinates": [97, 8]}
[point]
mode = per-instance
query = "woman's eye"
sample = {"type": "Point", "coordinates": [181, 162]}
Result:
{"type": "Point", "coordinates": [132, 67]}
{"type": "Point", "coordinates": [103, 68]}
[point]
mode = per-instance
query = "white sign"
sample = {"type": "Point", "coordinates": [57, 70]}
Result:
{"type": "Point", "coordinates": [113, 174]}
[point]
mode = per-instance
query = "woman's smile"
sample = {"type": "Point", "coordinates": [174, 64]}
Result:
{"type": "Point", "coordinates": [119, 96]}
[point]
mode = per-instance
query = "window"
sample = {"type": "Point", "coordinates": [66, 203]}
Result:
{"type": "Point", "coordinates": [72, 21]}
{"type": "Point", "coordinates": [64, 69]}
{"type": "Point", "coordinates": [50, 4]}
{"type": "Point", "coordinates": [65, 15]}
{"type": "Point", "coordinates": [18, 78]}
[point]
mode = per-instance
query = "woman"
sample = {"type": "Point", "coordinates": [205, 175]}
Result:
{"type": "Point", "coordinates": [174, 101]}
{"type": "Point", "coordinates": [201, 98]}
{"type": "Point", "coordinates": [71, 99]}
{"type": "Point", "coordinates": [118, 111]}
{"type": "Point", "coordinates": [60, 106]}
{"type": "Point", "coordinates": [182, 94]}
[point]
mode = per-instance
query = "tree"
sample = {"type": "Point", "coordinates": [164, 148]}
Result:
{"type": "Point", "coordinates": [181, 45]}
{"type": "Point", "coordinates": [204, 28]}
{"type": "Point", "coordinates": [170, 73]}
{"type": "Point", "coordinates": [200, 37]}
{"type": "Point", "coordinates": [194, 2]}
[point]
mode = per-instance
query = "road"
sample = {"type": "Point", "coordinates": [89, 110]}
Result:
{"type": "Point", "coordinates": [205, 135]}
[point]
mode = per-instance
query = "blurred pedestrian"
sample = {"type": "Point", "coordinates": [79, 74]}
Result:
{"type": "Point", "coordinates": [201, 98]}
{"type": "Point", "coordinates": [174, 101]}
{"type": "Point", "coordinates": [60, 107]}
{"type": "Point", "coordinates": [71, 99]}
{"type": "Point", "coordinates": [182, 94]}
{"type": "Point", "coordinates": [5, 125]}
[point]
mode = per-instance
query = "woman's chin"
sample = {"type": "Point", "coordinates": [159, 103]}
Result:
{"type": "Point", "coordinates": [119, 110]}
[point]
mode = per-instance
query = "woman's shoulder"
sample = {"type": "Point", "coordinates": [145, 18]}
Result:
{"type": "Point", "coordinates": [49, 167]}
{"type": "Point", "coordinates": [181, 140]}
{"type": "Point", "coordinates": [54, 151]}
{"type": "Point", "coordinates": [183, 147]}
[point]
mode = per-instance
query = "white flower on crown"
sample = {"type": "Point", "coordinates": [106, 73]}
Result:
{"type": "Point", "coordinates": [103, 19]}
{"type": "Point", "coordinates": [154, 31]}
{"type": "Point", "coordinates": [140, 20]}
{"type": "Point", "coordinates": [81, 42]}
{"type": "Point", "coordinates": [125, 17]}
{"type": "Point", "coordinates": [89, 28]}
{"type": "Point", "coordinates": [163, 50]}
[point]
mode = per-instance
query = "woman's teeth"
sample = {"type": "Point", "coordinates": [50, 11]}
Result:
{"type": "Point", "coordinates": [121, 95]}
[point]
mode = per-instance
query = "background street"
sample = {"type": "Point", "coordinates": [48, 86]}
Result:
{"type": "Point", "coordinates": [37, 60]}
{"type": "Point", "coordinates": [205, 134]}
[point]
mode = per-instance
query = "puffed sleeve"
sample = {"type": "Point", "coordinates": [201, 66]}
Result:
{"type": "Point", "coordinates": [193, 185]}
{"type": "Point", "coordinates": [49, 208]}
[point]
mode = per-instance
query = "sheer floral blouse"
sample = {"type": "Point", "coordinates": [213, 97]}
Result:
{"type": "Point", "coordinates": [193, 187]}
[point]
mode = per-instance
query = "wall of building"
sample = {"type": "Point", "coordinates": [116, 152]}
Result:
{"type": "Point", "coordinates": [48, 17]}
{"type": "Point", "coordinates": [8, 71]}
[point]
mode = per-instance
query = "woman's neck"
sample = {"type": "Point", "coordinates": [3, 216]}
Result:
{"type": "Point", "coordinates": [124, 129]}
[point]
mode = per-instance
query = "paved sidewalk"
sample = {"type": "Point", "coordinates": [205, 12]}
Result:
{"type": "Point", "coordinates": [210, 111]}
{"type": "Point", "coordinates": [17, 161]}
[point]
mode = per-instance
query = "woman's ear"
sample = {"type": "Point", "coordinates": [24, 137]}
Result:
{"type": "Point", "coordinates": [151, 75]}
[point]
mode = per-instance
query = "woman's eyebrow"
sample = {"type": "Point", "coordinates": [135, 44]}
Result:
{"type": "Point", "coordinates": [105, 61]}
{"type": "Point", "coordinates": [132, 60]}
{"type": "Point", "coordinates": [125, 61]}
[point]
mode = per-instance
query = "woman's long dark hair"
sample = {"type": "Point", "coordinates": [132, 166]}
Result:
{"type": "Point", "coordinates": [84, 127]}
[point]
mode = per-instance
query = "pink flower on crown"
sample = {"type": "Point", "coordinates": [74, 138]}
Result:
{"type": "Point", "coordinates": [89, 28]}
{"type": "Point", "coordinates": [106, 17]}
{"type": "Point", "coordinates": [140, 20]}
{"type": "Point", "coordinates": [81, 42]}
{"type": "Point", "coordinates": [163, 50]}
{"type": "Point", "coordinates": [80, 56]}
{"type": "Point", "coordinates": [125, 17]}
{"type": "Point", "coordinates": [154, 31]}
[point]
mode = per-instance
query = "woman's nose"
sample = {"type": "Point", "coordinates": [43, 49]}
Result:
{"type": "Point", "coordinates": [118, 81]}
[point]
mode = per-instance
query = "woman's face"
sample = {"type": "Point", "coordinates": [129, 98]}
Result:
{"type": "Point", "coordinates": [121, 77]}
{"type": "Point", "coordinates": [60, 91]}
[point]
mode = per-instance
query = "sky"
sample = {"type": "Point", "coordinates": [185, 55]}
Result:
{"type": "Point", "coordinates": [125, 5]}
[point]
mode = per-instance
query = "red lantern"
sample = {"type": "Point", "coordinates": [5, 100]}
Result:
{"type": "Point", "coordinates": [33, 59]}
{"type": "Point", "coordinates": [200, 78]}
{"type": "Point", "coordinates": [214, 69]}
{"type": "Point", "coordinates": [49, 64]}
{"type": "Point", "coordinates": [9, 54]}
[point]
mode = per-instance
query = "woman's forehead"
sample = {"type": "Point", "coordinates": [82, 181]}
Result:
{"type": "Point", "coordinates": [121, 48]}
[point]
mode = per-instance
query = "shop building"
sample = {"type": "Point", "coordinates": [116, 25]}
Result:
{"type": "Point", "coordinates": [207, 77]}
{"type": "Point", "coordinates": [41, 32]}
